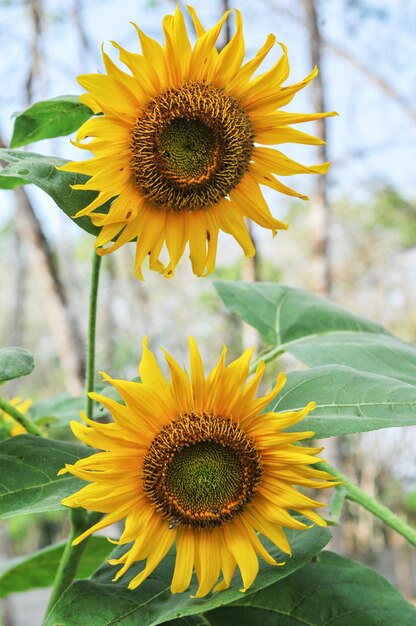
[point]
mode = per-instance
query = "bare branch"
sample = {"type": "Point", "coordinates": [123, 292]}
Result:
{"type": "Point", "coordinates": [36, 18]}
{"type": "Point", "coordinates": [373, 77]}
{"type": "Point", "coordinates": [86, 45]}
{"type": "Point", "coordinates": [321, 215]}
{"type": "Point", "coordinates": [378, 81]}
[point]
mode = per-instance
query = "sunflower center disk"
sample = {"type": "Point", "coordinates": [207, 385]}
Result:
{"type": "Point", "coordinates": [190, 147]}
{"type": "Point", "coordinates": [201, 470]}
{"type": "Point", "coordinates": [190, 151]}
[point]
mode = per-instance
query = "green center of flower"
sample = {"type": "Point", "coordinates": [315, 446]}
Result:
{"type": "Point", "coordinates": [205, 476]}
{"type": "Point", "coordinates": [201, 470]}
{"type": "Point", "coordinates": [190, 147]}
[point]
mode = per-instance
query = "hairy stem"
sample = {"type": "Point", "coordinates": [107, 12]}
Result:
{"type": "Point", "coordinates": [70, 559]}
{"type": "Point", "coordinates": [24, 420]}
{"type": "Point", "coordinates": [356, 494]}
{"type": "Point", "coordinates": [80, 520]}
{"type": "Point", "coordinates": [266, 357]}
{"type": "Point", "coordinates": [95, 274]}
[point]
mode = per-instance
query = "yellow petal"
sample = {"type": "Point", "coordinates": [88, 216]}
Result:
{"type": "Point", "coordinates": [249, 198]}
{"type": "Point", "coordinates": [197, 376]}
{"type": "Point", "coordinates": [165, 539]}
{"type": "Point", "coordinates": [278, 163]}
{"type": "Point", "coordinates": [226, 392]}
{"type": "Point", "coordinates": [209, 560]}
{"type": "Point", "coordinates": [184, 563]}
{"type": "Point", "coordinates": [198, 242]}
{"type": "Point", "coordinates": [271, 531]}
{"type": "Point", "coordinates": [285, 134]}
{"type": "Point", "coordinates": [231, 221]}
{"type": "Point", "coordinates": [180, 385]}
{"type": "Point", "coordinates": [150, 235]}
{"type": "Point", "coordinates": [154, 53]}
{"type": "Point", "coordinates": [149, 370]}
{"type": "Point", "coordinates": [228, 565]}
{"type": "Point", "coordinates": [267, 83]}
{"type": "Point", "coordinates": [282, 118]}
{"type": "Point", "coordinates": [232, 55]}
{"type": "Point", "coordinates": [243, 552]}
{"type": "Point", "coordinates": [204, 54]}
{"type": "Point", "coordinates": [199, 29]}
{"type": "Point", "coordinates": [238, 84]}
{"type": "Point", "coordinates": [263, 177]}
{"type": "Point", "coordinates": [272, 100]}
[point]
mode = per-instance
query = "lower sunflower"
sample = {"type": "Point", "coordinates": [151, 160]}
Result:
{"type": "Point", "coordinates": [193, 461]}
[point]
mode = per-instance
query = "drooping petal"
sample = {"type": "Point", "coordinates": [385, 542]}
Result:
{"type": "Point", "coordinates": [184, 563]}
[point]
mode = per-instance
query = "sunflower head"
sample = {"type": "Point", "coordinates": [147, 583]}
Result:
{"type": "Point", "coordinates": [193, 461]}
{"type": "Point", "coordinates": [180, 148]}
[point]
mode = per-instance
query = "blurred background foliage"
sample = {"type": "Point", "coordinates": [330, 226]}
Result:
{"type": "Point", "coordinates": [355, 242]}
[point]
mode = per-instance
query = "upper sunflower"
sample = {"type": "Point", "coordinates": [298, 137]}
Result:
{"type": "Point", "coordinates": [194, 461]}
{"type": "Point", "coordinates": [177, 147]}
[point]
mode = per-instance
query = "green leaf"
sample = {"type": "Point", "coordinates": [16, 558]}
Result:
{"type": "Point", "coordinates": [15, 362]}
{"type": "Point", "coordinates": [62, 408]}
{"type": "Point", "coordinates": [348, 401]}
{"type": "Point", "coordinates": [283, 314]}
{"type": "Point", "coordinates": [100, 602]}
{"type": "Point", "coordinates": [318, 332]}
{"type": "Point", "coordinates": [39, 569]}
{"type": "Point", "coordinates": [28, 474]}
{"type": "Point", "coordinates": [28, 167]}
{"type": "Point", "coordinates": [331, 590]}
{"type": "Point", "coordinates": [49, 118]}
{"type": "Point", "coordinates": [367, 352]}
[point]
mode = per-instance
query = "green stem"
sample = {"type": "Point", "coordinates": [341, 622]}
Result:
{"type": "Point", "coordinates": [70, 559]}
{"type": "Point", "coordinates": [95, 275]}
{"type": "Point", "coordinates": [356, 494]}
{"type": "Point", "coordinates": [266, 357]}
{"type": "Point", "coordinates": [24, 420]}
{"type": "Point", "coordinates": [80, 520]}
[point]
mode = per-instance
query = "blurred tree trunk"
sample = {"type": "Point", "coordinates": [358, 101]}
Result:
{"type": "Point", "coordinates": [62, 322]}
{"type": "Point", "coordinates": [321, 214]}
{"type": "Point", "coordinates": [18, 296]}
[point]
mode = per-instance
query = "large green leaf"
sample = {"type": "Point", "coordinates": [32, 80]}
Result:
{"type": "Point", "coordinates": [49, 118]}
{"type": "Point", "coordinates": [367, 352]}
{"type": "Point", "coordinates": [318, 332]}
{"type": "Point", "coordinates": [330, 590]}
{"type": "Point", "coordinates": [15, 362]}
{"type": "Point", "coordinates": [61, 408]}
{"type": "Point", "coordinates": [39, 569]}
{"type": "Point", "coordinates": [100, 602]}
{"type": "Point", "coordinates": [348, 401]}
{"type": "Point", "coordinates": [28, 474]}
{"type": "Point", "coordinates": [28, 167]}
{"type": "Point", "coordinates": [284, 314]}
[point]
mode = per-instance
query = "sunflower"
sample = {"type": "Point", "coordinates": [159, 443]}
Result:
{"type": "Point", "coordinates": [180, 149]}
{"type": "Point", "coordinates": [194, 462]}
{"type": "Point", "coordinates": [12, 427]}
